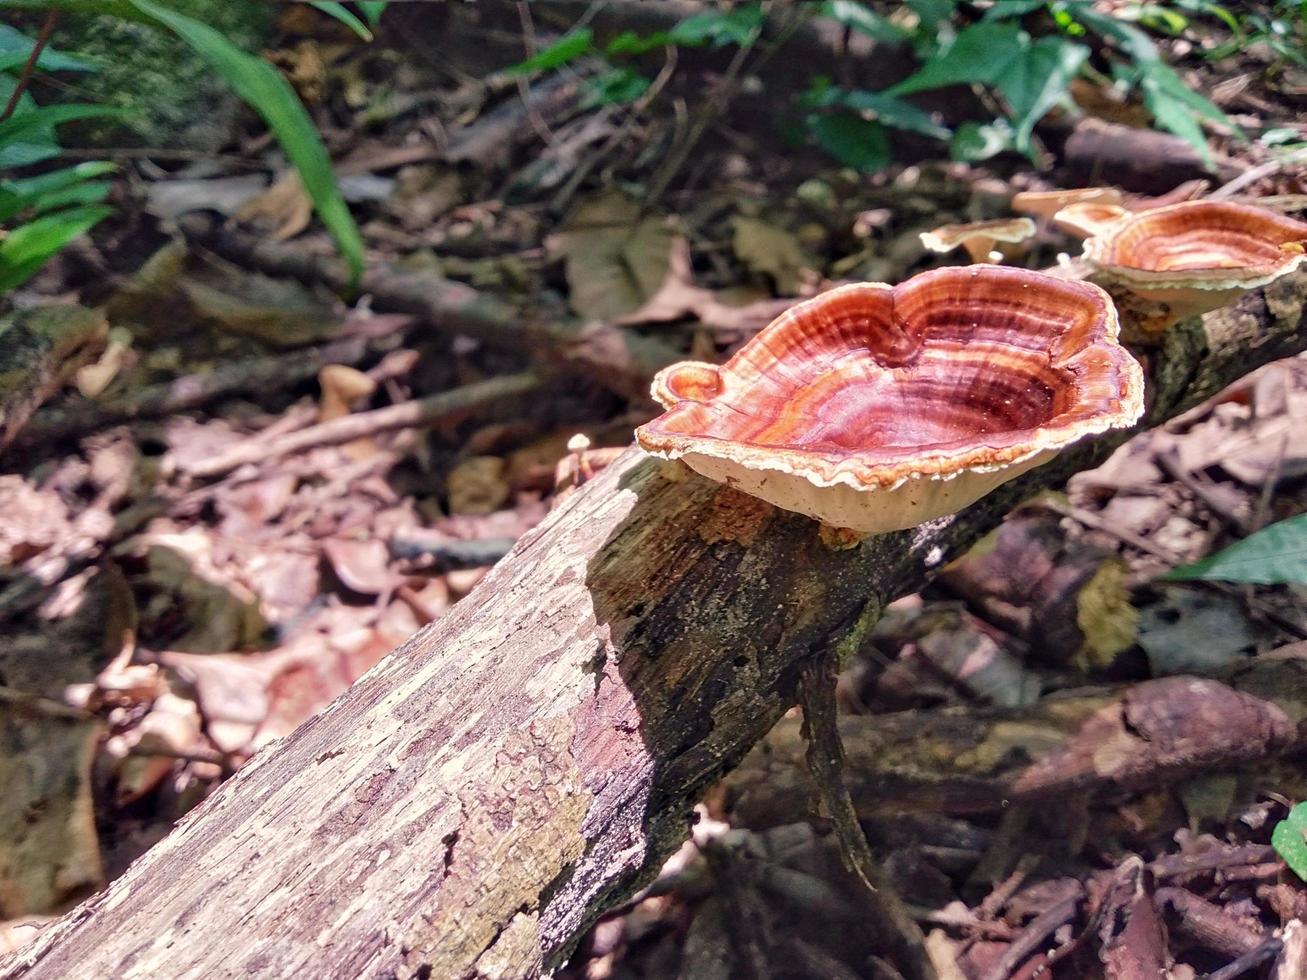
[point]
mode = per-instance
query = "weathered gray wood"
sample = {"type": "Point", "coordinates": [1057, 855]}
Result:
{"type": "Point", "coordinates": [528, 760]}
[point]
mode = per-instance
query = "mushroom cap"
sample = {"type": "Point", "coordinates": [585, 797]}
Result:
{"type": "Point", "coordinates": [1199, 245]}
{"type": "Point", "coordinates": [930, 393]}
{"type": "Point", "coordinates": [1045, 204]}
{"type": "Point", "coordinates": [945, 238]}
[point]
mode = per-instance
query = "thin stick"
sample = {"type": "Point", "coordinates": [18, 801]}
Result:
{"type": "Point", "coordinates": [1257, 173]}
{"type": "Point", "coordinates": [29, 67]}
{"type": "Point", "coordinates": [711, 110]}
{"type": "Point", "coordinates": [405, 415]}
{"type": "Point", "coordinates": [1092, 520]}
{"type": "Point", "coordinates": [826, 764]}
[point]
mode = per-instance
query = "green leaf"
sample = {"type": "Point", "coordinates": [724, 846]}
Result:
{"type": "Point", "coordinates": [28, 247]}
{"type": "Point", "coordinates": [737, 26]}
{"type": "Point", "coordinates": [890, 111]}
{"type": "Point", "coordinates": [16, 48]}
{"type": "Point", "coordinates": [974, 141]}
{"type": "Point", "coordinates": [852, 140]}
{"type": "Point", "coordinates": [1132, 40]}
{"type": "Point", "coordinates": [981, 53]}
{"type": "Point", "coordinates": [858, 17]}
{"type": "Point", "coordinates": [87, 192]}
{"type": "Point", "coordinates": [629, 42]}
{"type": "Point", "coordinates": [565, 49]}
{"type": "Point", "coordinates": [1274, 555]}
{"type": "Point", "coordinates": [1035, 81]}
{"type": "Point", "coordinates": [1289, 838]}
{"type": "Point", "coordinates": [1009, 9]}
{"type": "Point", "coordinates": [264, 88]}
{"type": "Point", "coordinates": [931, 12]}
{"type": "Point", "coordinates": [22, 124]}
{"type": "Point", "coordinates": [372, 10]}
{"type": "Point", "coordinates": [1176, 107]}
{"type": "Point", "coordinates": [345, 16]}
{"type": "Point", "coordinates": [621, 86]}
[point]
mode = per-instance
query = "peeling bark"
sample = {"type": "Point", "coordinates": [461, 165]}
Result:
{"type": "Point", "coordinates": [478, 798]}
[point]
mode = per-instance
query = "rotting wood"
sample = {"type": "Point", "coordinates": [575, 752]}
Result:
{"type": "Point", "coordinates": [472, 803]}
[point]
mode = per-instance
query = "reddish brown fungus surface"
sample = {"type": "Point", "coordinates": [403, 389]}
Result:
{"type": "Point", "coordinates": [1198, 235]}
{"type": "Point", "coordinates": [868, 386]}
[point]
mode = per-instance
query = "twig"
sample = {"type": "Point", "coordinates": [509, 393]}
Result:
{"type": "Point", "coordinates": [1169, 460]}
{"type": "Point", "coordinates": [1248, 177]}
{"type": "Point", "coordinates": [42, 39]}
{"type": "Point", "coordinates": [43, 705]}
{"type": "Point", "coordinates": [711, 110]}
{"type": "Point", "coordinates": [1268, 487]}
{"type": "Point", "coordinates": [1040, 928]}
{"type": "Point", "coordinates": [190, 391]}
{"type": "Point", "coordinates": [1091, 520]}
{"type": "Point", "coordinates": [826, 764]}
{"type": "Point", "coordinates": [405, 415]}
{"type": "Point", "coordinates": [523, 87]}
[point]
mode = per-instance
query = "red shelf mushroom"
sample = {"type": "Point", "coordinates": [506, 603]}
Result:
{"type": "Point", "coordinates": [1192, 257]}
{"type": "Point", "coordinates": [876, 408]}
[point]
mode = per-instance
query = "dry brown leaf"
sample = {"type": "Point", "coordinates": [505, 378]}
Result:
{"type": "Point", "coordinates": [362, 566]}
{"type": "Point", "coordinates": [615, 260]}
{"type": "Point", "coordinates": [281, 212]}
{"type": "Point", "coordinates": [478, 485]}
{"type": "Point", "coordinates": [149, 749]}
{"type": "Point", "coordinates": [774, 252]}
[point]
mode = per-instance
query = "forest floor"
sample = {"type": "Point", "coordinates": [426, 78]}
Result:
{"type": "Point", "coordinates": [262, 483]}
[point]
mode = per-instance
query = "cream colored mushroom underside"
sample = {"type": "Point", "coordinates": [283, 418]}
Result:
{"type": "Point", "coordinates": [913, 502]}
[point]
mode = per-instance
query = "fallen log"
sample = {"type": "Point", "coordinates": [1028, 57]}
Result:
{"type": "Point", "coordinates": [966, 760]}
{"type": "Point", "coordinates": [471, 804]}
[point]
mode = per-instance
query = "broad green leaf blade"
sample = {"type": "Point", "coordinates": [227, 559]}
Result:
{"type": "Point", "coordinates": [1289, 838]}
{"type": "Point", "coordinates": [860, 18]}
{"type": "Point", "coordinates": [1035, 81]}
{"type": "Point", "coordinates": [58, 179]}
{"type": "Point", "coordinates": [1134, 42]}
{"type": "Point", "coordinates": [621, 86]}
{"type": "Point", "coordinates": [559, 53]}
{"type": "Point", "coordinates": [893, 112]}
{"type": "Point", "coordinates": [1274, 555]}
{"type": "Point", "coordinates": [981, 53]}
{"type": "Point", "coordinates": [16, 48]}
{"type": "Point", "coordinates": [25, 249]}
{"type": "Point", "coordinates": [1009, 9]}
{"type": "Point", "coordinates": [345, 16]}
{"type": "Point", "coordinates": [737, 26]}
{"type": "Point", "coordinates": [22, 124]}
{"type": "Point", "coordinates": [264, 88]}
{"type": "Point", "coordinates": [974, 141]}
{"type": "Point", "coordinates": [852, 140]}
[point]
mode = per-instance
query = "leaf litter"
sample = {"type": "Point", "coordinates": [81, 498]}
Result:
{"type": "Point", "coordinates": [181, 624]}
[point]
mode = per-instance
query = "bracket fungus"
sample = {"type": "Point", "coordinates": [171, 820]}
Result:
{"type": "Point", "coordinates": [1190, 257]}
{"type": "Point", "coordinates": [985, 241]}
{"type": "Point", "coordinates": [877, 408]}
{"type": "Point", "coordinates": [1045, 204]}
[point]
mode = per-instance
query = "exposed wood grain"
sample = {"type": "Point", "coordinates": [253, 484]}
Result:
{"type": "Point", "coordinates": [524, 763]}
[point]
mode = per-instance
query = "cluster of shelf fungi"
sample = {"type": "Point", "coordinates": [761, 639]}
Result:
{"type": "Point", "coordinates": [528, 761]}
